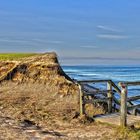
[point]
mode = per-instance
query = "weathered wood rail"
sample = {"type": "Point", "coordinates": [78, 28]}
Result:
{"type": "Point", "coordinates": [124, 99]}
{"type": "Point", "coordinates": [125, 105]}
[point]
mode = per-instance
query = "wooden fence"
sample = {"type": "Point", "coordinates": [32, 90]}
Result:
{"type": "Point", "coordinates": [125, 103]}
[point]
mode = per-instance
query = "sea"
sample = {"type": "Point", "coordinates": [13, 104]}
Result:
{"type": "Point", "coordinates": [115, 73]}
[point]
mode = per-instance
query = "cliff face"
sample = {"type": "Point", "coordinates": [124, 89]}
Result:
{"type": "Point", "coordinates": [36, 89]}
{"type": "Point", "coordinates": [43, 68]}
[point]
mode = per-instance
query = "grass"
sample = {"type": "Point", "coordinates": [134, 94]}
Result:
{"type": "Point", "coordinates": [14, 56]}
{"type": "Point", "coordinates": [127, 133]}
{"type": "Point", "coordinates": [121, 133]}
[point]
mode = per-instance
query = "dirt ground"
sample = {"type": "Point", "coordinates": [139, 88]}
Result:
{"type": "Point", "coordinates": [12, 130]}
{"type": "Point", "coordinates": [36, 112]}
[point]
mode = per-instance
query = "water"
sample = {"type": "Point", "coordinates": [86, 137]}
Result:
{"type": "Point", "coordinates": [115, 73]}
{"type": "Point", "coordinates": [103, 72]}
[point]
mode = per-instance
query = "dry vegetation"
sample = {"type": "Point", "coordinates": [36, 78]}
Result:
{"type": "Point", "coordinates": [38, 101]}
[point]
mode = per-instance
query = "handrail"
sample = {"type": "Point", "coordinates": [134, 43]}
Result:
{"type": "Point", "coordinates": [92, 81]}
{"type": "Point", "coordinates": [134, 106]}
{"type": "Point", "coordinates": [100, 81]}
{"type": "Point", "coordinates": [133, 98]}
{"type": "Point", "coordinates": [115, 86]}
{"type": "Point", "coordinates": [131, 83]}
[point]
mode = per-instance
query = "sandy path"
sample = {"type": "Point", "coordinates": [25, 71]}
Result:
{"type": "Point", "coordinates": [10, 129]}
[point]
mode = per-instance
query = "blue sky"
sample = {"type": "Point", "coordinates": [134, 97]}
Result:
{"type": "Point", "coordinates": [80, 31]}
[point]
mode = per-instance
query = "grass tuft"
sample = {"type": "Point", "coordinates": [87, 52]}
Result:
{"type": "Point", "coordinates": [127, 133]}
{"type": "Point", "coordinates": [15, 56]}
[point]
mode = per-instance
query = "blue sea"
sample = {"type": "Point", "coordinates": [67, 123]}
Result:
{"type": "Point", "coordinates": [115, 73]}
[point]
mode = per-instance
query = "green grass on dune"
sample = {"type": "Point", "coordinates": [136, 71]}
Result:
{"type": "Point", "coordinates": [14, 56]}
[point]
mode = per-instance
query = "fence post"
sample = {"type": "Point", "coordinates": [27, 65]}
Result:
{"type": "Point", "coordinates": [81, 105]}
{"type": "Point", "coordinates": [123, 108]}
{"type": "Point", "coordinates": [110, 96]}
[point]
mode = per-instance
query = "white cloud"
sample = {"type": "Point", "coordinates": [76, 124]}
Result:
{"type": "Point", "coordinates": [54, 42]}
{"type": "Point", "coordinates": [108, 28]}
{"type": "Point", "coordinates": [88, 46]}
{"type": "Point", "coordinates": [18, 40]}
{"type": "Point", "coordinates": [13, 40]}
{"type": "Point", "coordinates": [44, 40]}
{"type": "Point", "coordinates": [110, 36]}
{"type": "Point", "coordinates": [47, 41]}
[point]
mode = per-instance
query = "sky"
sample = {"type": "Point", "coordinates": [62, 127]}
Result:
{"type": "Point", "coordinates": [81, 32]}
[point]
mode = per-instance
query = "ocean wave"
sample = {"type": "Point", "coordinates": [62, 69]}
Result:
{"type": "Point", "coordinates": [116, 74]}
